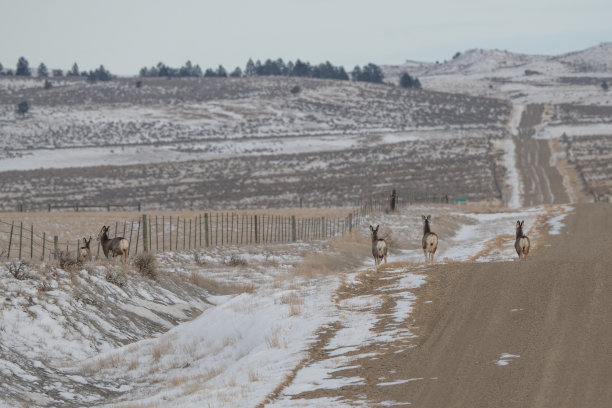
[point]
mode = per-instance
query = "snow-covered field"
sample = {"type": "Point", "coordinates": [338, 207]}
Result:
{"type": "Point", "coordinates": [213, 331]}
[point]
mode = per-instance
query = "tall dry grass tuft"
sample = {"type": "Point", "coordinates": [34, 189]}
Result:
{"type": "Point", "coordinates": [146, 264]}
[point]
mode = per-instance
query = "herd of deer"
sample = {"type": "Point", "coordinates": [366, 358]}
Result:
{"type": "Point", "coordinates": [120, 246]}
{"type": "Point", "coordinates": [113, 247]}
{"type": "Point", "coordinates": [429, 242]}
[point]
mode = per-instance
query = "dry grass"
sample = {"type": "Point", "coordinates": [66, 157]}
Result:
{"type": "Point", "coordinates": [275, 339]}
{"type": "Point", "coordinates": [343, 253]}
{"type": "Point", "coordinates": [146, 264]}
{"type": "Point", "coordinates": [295, 303]}
{"type": "Point", "coordinates": [219, 287]}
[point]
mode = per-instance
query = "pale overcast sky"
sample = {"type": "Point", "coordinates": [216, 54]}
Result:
{"type": "Point", "coordinates": [125, 35]}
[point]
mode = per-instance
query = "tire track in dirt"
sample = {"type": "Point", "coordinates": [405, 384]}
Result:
{"type": "Point", "coordinates": [542, 183]}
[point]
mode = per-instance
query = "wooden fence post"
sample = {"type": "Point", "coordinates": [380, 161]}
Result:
{"type": "Point", "coordinates": [137, 237]}
{"type": "Point", "coordinates": [206, 228]}
{"type": "Point", "coordinates": [178, 227]}
{"type": "Point", "coordinates": [44, 241]}
{"type": "Point", "coordinates": [145, 241]}
{"type": "Point", "coordinates": [170, 234]}
{"type": "Point", "coordinates": [55, 244]}
{"type": "Point", "coordinates": [293, 229]}
{"type": "Point", "coordinates": [256, 230]}
{"type": "Point", "coordinates": [20, 237]}
{"type": "Point", "coordinates": [10, 240]}
{"type": "Point", "coordinates": [130, 242]}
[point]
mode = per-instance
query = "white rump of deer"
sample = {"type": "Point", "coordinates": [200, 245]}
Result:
{"type": "Point", "coordinates": [115, 246]}
{"type": "Point", "coordinates": [430, 240]}
{"type": "Point", "coordinates": [522, 242]}
{"type": "Point", "coordinates": [379, 246]}
{"type": "Point", "coordinates": [85, 251]}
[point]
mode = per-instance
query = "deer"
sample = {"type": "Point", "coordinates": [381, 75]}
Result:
{"type": "Point", "coordinates": [85, 251]}
{"type": "Point", "coordinates": [429, 241]}
{"type": "Point", "coordinates": [115, 246]}
{"type": "Point", "coordinates": [522, 242]}
{"type": "Point", "coordinates": [379, 246]}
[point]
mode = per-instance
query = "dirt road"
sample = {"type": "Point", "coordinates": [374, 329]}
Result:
{"type": "Point", "coordinates": [506, 334]}
{"type": "Point", "coordinates": [542, 183]}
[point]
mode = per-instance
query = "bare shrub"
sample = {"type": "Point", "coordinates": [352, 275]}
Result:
{"type": "Point", "coordinates": [236, 260]}
{"type": "Point", "coordinates": [198, 261]}
{"type": "Point", "coordinates": [146, 264]}
{"type": "Point", "coordinates": [19, 270]}
{"type": "Point", "coordinates": [68, 261]}
{"type": "Point", "coordinates": [116, 278]}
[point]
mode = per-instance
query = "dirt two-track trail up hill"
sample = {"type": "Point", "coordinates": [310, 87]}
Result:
{"type": "Point", "coordinates": [535, 333]}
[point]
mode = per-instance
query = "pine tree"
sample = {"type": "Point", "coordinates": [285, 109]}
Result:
{"type": "Point", "coordinates": [23, 67]}
{"type": "Point", "coordinates": [74, 71]}
{"type": "Point", "coordinates": [221, 72]}
{"type": "Point", "coordinates": [406, 81]}
{"type": "Point", "coordinates": [42, 70]}
{"type": "Point", "coordinates": [236, 73]}
{"type": "Point", "coordinates": [250, 68]}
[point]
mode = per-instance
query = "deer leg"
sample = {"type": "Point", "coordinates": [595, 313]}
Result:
{"type": "Point", "coordinates": [385, 258]}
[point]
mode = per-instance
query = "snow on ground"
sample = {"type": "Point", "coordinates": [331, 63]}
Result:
{"type": "Point", "coordinates": [209, 150]}
{"type": "Point", "coordinates": [206, 332]}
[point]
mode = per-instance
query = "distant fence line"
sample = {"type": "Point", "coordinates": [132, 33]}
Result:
{"type": "Point", "coordinates": [86, 207]}
{"type": "Point", "coordinates": [206, 230]}
{"type": "Point", "coordinates": [175, 233]}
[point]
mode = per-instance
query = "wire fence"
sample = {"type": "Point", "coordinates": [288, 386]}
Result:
{"type": "Point", "coordinates": [167, 233]}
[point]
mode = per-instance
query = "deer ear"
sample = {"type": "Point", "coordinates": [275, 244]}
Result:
{"type": "Point", "coordinates": [429, 217]}
{"type": "Point", "coordinates": [422, 216]}
{"type": "Point", "coordinates": [371, 228]}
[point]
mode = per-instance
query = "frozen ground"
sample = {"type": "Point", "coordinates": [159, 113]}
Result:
{"type": "Point", "coordinates": [232, 326]}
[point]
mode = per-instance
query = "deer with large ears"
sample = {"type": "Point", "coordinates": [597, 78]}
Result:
{"type": "Point", "coordinates": [379, 246]}
{"type": "Point", "coordinates": [429, 241]}
{"type": "Point", "coordinates": [85, 251]}
{"type": "Point", "coordinates": [115, 246]}
{"type": "Point", "coordinates": [522, 242]}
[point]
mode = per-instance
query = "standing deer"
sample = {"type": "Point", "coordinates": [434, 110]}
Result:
{"type": "Point", "coordinates": [522, 242]}
{"type": "Point", "coordinates": [85, 252]}
{"type": "Point", "coordinates": [430, 240]}
{"type": "Point", "coordinates": [115, 246]}
{"type": "Point", "coordinates": [379, 247]}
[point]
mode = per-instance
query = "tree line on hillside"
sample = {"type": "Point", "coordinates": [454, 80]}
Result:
{"type": "Point", "coordinates": [368, 73]}
{"type": "Point", "coordinates": [23, 69]}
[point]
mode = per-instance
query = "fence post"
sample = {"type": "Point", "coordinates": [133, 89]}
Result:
{"type": "Point", "coordinates": [145, 242]}
{"type": "Point", "coordinates": [10, 240]}
{"type": "Point", "coordinates": [206, 228]}
{"type": "Point", "coordinates": [130, 242]}
{"type": "Point", "coordinates": [256, 230]}
{"type": "Point", "coordinates": [350, 222]}
{"type": "Point", "coordinates": [137, 238]}
{"type": "Point", "coordinates": [190, 233]}
{"type": "Point", "coordinates": [170, 233]}
{"type": "Point", "coordinates": [55, 244]}
{"type": "Point", "coordinates": [20, 237]}
{"type": "Point", "coordinates": [293, 229]}
{"type": "Point", "coordinates": [44, 241]}
{"type": "Point", "coordinates": [323, 229]}
{"type": "Point", "coordinates": [178, 227]}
